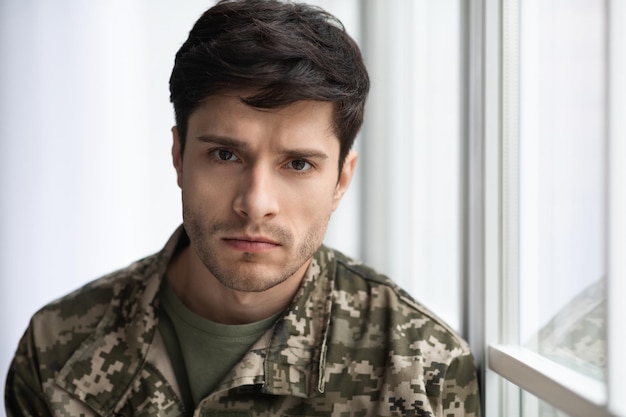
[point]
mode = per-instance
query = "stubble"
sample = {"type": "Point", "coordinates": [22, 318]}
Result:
{"type": "Point", "coordinates": [252, 272]}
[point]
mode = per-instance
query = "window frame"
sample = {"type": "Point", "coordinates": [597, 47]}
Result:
{"type": "Point", "coordinates": [616, 331]}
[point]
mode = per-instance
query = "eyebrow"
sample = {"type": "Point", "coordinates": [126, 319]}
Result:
{"type": "Point", "coordinates": [223, 141]}
{"type": "Point", "coordinates": [230, 142]}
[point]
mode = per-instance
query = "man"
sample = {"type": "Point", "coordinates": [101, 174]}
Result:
{"type": "Point", "coordinates": [245, 312]}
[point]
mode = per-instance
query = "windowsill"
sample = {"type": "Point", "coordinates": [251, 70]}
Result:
{"type": "Point", "coordinates": [568, 390]}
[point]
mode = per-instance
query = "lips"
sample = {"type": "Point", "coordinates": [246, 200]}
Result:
{"type": "Point", "coordinates": [250, 243]}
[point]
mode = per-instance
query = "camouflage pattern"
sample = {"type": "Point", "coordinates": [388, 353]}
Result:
{"type": "Point", "coordinates": [576, 336]}
{"type": "Point", "coordinates": [351, 344]}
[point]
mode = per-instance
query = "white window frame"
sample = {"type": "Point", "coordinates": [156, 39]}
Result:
{"type": "Point", "coordinates": [617, 207]}
{"type": "Point", "coordinates": [492, 106]}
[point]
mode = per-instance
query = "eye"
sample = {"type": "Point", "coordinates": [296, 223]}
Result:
{"type": "Point", "coordinates": [299, 165]}
{"type": "Point", "coordinates": [224, 155]}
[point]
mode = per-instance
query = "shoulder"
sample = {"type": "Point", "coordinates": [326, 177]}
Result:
{"type": "Point", "coordinates": [377, 330]}
{"type": "Point", "coordinates": [60, 327]}
{"type": "Point", "coordinates": [376, 298]}
{"type": "Point", "coordinates": [87, 303]}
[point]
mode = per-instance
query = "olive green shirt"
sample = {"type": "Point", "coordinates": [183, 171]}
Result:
{"type": "Point", "coordinates": [202, 352]}
{"type": "Point", "coordinates": [351, 343]}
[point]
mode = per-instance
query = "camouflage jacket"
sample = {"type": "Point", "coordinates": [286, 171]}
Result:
{"type": "Point", "coordinates": [351, 344]}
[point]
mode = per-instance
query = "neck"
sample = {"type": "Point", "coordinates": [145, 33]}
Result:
{"type": "Point", "coordinates": [205, 296]}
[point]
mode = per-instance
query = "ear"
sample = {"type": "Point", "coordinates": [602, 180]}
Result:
{"type": "Point", "coordinates": [345, 177]}
{"type": "Point", "coordinates": [177, 156]}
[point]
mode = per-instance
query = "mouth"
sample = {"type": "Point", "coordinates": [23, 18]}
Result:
{"type": "Point", "coordinates": [250, 243]}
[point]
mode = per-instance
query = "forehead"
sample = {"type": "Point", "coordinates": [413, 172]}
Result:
{"type": "Point", "coordinates": [300, 122]}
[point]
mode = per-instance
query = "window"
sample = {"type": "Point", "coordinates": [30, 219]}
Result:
{"type": "Point", "coordinates": [562, 152]}
{"type": "Point", "coordinates": [553, 204]}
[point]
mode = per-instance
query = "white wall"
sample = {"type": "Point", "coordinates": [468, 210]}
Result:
{"type": "Point", "coordinates": [86, 179]}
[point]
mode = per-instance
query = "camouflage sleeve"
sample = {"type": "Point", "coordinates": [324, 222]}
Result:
{"type": "Point", "coordinates": [23, 395]}
{"type": "Point", "coordinates": [460, 396]}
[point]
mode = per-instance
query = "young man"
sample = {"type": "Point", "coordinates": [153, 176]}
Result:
{"type": "Point", "coordinates": [245, 312]}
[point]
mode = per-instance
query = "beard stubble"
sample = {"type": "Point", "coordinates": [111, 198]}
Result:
{"type": "Point", "coordinates": [248, 275]}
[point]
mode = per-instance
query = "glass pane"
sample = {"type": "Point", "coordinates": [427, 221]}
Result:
{"type": "Point", "coordinates": [563, 181]}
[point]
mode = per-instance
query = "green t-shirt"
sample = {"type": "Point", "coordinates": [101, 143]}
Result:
{"type": "Point", "coordinates": [202, 351]}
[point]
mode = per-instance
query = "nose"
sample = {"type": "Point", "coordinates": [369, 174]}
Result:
{"type": "Point", "coordinates": [257, 197]}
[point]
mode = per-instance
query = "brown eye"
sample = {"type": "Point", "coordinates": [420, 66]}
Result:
{"type": "Point", "coordinates": [224, 155]}
{"type": "Point", "coordinates": [299, 165]}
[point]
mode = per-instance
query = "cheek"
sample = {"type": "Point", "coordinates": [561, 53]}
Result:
{"type": "Point", "coordinates": [312, 204]}
{"type": "Point", "coordinates": [204, 194]}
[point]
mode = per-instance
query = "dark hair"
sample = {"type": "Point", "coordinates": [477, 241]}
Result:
{"type": "Point", "coordinates": [281, 51]}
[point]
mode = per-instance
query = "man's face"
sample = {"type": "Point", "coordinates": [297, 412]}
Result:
{"type": "Point", "coordinates": [258, 188]}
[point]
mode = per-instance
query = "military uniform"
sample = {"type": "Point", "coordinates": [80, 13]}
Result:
{"type": "Point", "coordinates": [350, 344]}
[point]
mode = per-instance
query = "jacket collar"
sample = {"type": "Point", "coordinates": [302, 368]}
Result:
{"type": "Point", "coordinates": [290, 358]}
{"type": "Point", "coordinates": [296, 354]}
{"type": "Point", "coordinates": [105, 365]}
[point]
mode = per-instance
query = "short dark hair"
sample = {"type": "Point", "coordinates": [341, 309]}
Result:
{"type": "Point", "coordinates": [281, 51]}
